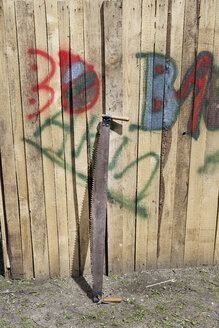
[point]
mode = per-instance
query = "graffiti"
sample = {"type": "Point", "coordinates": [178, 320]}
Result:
{"type": "Point", "coordinates": [211, 164]}
{"type": "Point", "coordinates": [197, 76]}
{"type": "Point", "coordinates": [44, 84]}
{"type": "Point", "coordinates": [80, 83]}
{"type": "Point", "coordinates": [162, 102]}
{"type": "Point", "coordinates": [58, 157]}
{"type": "Point", "coordinates": [160, 106]}
{"type": "Point", "coordinates": [80, 91]}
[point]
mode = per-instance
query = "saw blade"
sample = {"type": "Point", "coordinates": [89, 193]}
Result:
{"type": "Point", "coordinates": [98, 208]}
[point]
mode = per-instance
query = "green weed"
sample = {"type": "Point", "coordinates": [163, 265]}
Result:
{"type": "Point", "coordinates": [68, 316]}
{"type": "Point", "coordinates": [40, 305]}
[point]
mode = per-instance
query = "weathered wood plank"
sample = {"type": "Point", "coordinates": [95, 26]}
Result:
{"type": "Point", "coordinates": [144, 138]}
{"type": "Point", "coordinates": [3, 232]}
{"type": "Point", "coordinates": [43, 69]}
{"type": "Point", "coordinates": [158, 94]}
{"type": "Point", "coordinates": [113, 106]}
{"type": "Point", "coordinates": [197, 240]}
{"type": "Point", "coordinates": [209, 203]}
{"type": "Point", "coordinates": [182, 164]}
{"type": "Point", "coordinates": [169, 153]}
{"type": "Point", "coordinates": [93, 56]}
{"type": "Point", "coordinates": [65, 19]}
{"type": "Point", "coordinates": [80, 217]}
{"type": "Point", "coordinates": [17, 126]}
{"type": "Point", "coordinates": [131, 80]}
{"type": "Point", "coordinates": [28, 79]}
{"type": "Point", "coordinates": [79, 144]}
{"type": "Point", "coordinates": [58, 137]}
{"type": "Point", "coordinates": [215, 137]}
{"type": "Point", "coordinates": [8, 163]}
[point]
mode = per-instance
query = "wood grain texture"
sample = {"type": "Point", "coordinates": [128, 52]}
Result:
{"type": "Point", "coordinates": [43, 68]}
{"type": "Point", "coordinates": [131, 80]}
{"type": "Point", "coordinates": [169, 154]}
{"type": "Point", "coordinates": [210, 182]}
{"type": "Point", "coordinates": [17, 126]}
{"type": "Point", "coordinates": [58, 137]}
{"type": "Point", "coordinates": [182, 164]}
{"type": "Point", "coordinates": [8, 164]}
{"type": "Point", "coordinates": [160, 45]}
{"type": "Point", "coordinates": [144, 137]}
{"type": "Point", "coordinates": [80, 222]}
{"type": "Point", "coordinates": [26, 41]}
{"type": "Point", "coordinates": [92, 56]}
{"type": "Point", "coordinates": [197, 221]}
{"type": "Point", "coordinates": [4, 234]}
{"type": "Point", "coordinates": [113, 106]}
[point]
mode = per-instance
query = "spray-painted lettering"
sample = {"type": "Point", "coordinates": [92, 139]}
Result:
{"type": "Point", "coordinates": [57, 156]}
{"type": "Point", "coordinates": [80, 83]}
{"type": "Point", "coordinates": [43, 85]}
{"type": "Point", "coordinates": [162, 102]}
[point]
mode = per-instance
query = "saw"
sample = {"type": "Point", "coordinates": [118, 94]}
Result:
{"type": "Point", "coordinates": [99, 204]}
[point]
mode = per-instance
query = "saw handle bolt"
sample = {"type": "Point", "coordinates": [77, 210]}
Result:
{"type": "Point", "coordinates": [96, 299]}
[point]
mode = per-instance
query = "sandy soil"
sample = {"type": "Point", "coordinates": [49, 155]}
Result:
{"type": "Point", "coordinates": [192, 300]}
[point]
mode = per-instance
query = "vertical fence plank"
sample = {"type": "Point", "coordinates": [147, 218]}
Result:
{"type": "Point", "coordinates": [79, 142]}
{"type": "Point", "coordinates": [196, 216]}
{"type": "Point", "coordinates": [58, 138]}
{"type": "Point", "coordinates": [65, 43]}
{"type": "Point", "coordinates": [113, 105]}
{"type": "Point", "coordinates": [156, 136]}
{"type": "Point", "coordinates": [17, 126]}
{"type": "Point", "coordinates": [3, 233]}
{"type": "Point", "coordinates": [78, 146]}
{"type": "Point", "coordinates": [188, 59]}
{"type": "Point", "coordinates": [209, 190]}
{"type": "Point", "coordinates": [93, 56]}
{"type": "Point", "coordinates": [183, 141]}
{"type": "Point", "coordinates": [131, 79]}
{"type": "Point", "coordinates": [28, 79]}
{"type": "Point", "coordinates": [8, 164]}
{"type": "Point", "coordinates": [170, 144]}
{"type": "Point", "coordinates": [144, 139]}
{"type": "Point", "coordinates": [43, 70]}
{"type": "Point", "coordinates": [214, 139]}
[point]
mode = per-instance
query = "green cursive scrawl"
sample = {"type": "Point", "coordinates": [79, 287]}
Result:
{"type": "Point", "coordinates": [133, 205]}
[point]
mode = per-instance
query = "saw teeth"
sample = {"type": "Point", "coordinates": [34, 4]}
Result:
{"type": "Point", "coordinates": [101, 149]}
{"type": "Point", "coordinates": [92, 172]}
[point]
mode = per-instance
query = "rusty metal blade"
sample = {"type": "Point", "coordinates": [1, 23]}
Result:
{"type": "Point", "coordinates": [98, 209]}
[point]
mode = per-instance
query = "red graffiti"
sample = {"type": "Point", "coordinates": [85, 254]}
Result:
{"type": "Point", "coordinates": [80, 83]}
{"type": "Point", "coordinates": [199, 76]}
{"type": "Point", "coordinates": [43, 85]}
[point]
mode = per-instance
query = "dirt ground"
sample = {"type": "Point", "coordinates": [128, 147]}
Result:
{"type": "Point", "coordinates": [191, 299]}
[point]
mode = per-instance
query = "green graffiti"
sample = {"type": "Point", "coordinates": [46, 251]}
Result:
{"type": "Point", "coordinates": [77, 152]}
{"type": "Point", "coordinates": [127, 203]}
{"type": "Point", "coordinates": [58, 157]}
{"type": "Point", "coordinates": [211, 163]}
{"type": "Point", "coordinates": [114, 160]}
{"type": "Point", "coordinates": [59, 160]}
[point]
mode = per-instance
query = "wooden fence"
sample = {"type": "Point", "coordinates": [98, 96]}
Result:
{"type": "Point", "coordinates": [63, 64]}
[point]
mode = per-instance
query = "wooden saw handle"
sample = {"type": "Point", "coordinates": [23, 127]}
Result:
{"type": "Point", "coordinates": [112, 300]}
